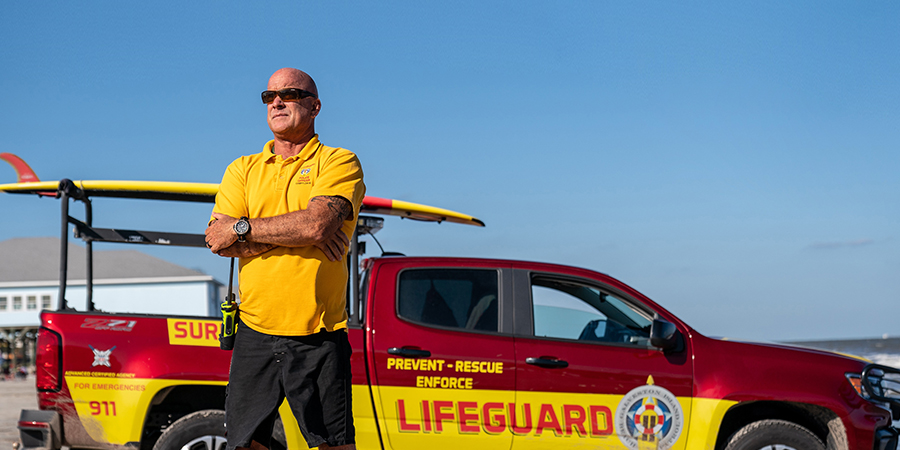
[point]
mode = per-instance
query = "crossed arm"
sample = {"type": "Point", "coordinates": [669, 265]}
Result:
{"type": "Point", "coordinates": [318, 225]}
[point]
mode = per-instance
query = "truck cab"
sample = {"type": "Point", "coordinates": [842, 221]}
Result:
{"type": "Point", "coordinates": [516, 354]}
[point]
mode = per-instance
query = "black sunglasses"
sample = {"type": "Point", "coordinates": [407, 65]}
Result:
{"type": "Point", "coordinates": [287, 95]}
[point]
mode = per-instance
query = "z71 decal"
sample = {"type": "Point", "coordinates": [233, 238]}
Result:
{"type": "Point", "coordinates": [98, 324]}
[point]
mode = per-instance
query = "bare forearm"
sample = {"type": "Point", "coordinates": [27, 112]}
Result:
{"type": "Point", "coordinates": [295, 229]}
{"type": "Point", "coordinates": [314, 225]}
{"type": "Point", "coordinates": [245, 249]}
{"type": "Point", "coordinates": [318, 225]}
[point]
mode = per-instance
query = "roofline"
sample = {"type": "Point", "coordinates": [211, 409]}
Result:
{"type": "Point", "coordinates": [109, 281]}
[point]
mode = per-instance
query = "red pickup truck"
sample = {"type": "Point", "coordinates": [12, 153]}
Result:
{"type": "Point", "coordinates": [462, 353]}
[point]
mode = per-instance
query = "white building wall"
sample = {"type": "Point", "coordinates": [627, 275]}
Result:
{"type": "Point", "coordinates": [193, 298]}
{"type": "Point", "coordinates": [27, 313]}
{"type": "Point", "coordinates": [180, 299]}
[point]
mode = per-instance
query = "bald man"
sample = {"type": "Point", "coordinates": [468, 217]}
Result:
{"type": "Point", "coordinates": [287, 213]}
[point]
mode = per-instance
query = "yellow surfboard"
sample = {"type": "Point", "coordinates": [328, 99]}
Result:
{"type": "Point", "coordinates": [206, 193]}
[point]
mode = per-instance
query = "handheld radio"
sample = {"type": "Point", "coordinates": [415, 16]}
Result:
{"type": "Point", "coordinates": [230, 315]}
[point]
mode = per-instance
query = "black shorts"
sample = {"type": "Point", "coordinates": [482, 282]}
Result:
{"type": "Point", "coordinates": [313, 372]}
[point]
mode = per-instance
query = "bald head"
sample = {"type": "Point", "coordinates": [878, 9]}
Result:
{"type": "Point", "coordinates": [293, 121]}
{"type": "Point", "coordinates": [290, 77]}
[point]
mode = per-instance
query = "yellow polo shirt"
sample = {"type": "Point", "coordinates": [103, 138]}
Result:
{"type": "Point", "coordinates": [292, 291]}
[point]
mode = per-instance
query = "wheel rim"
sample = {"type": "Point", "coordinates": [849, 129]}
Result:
{"type": "Point", "coordinates": [777, 447]}
{"type": "Point", "coordinates": [207, 443]}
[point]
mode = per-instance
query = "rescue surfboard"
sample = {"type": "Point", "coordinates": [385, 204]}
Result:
{"type": "Point", "coordinates": [29, 183]}
{"type": "Point", "coordinates": [206, 193]}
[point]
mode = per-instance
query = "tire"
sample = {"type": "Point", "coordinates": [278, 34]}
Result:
{"type": "Point", "coordinates": [202, 430]}
{"type": "Point", "coordinates": [774, 435]}
{"type": "Point", "coordinates": [205, 430]}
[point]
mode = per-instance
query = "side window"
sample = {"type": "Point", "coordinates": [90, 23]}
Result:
{"type": "Point", "coordinates": [567, 310]}
{"type": "Point", "coordinates": [455, 298]}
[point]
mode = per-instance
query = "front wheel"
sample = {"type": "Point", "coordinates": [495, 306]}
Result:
{"type": "Point", "coordinates": [202, 430]}
{"type": "Point", "coordinates": [774, 435]}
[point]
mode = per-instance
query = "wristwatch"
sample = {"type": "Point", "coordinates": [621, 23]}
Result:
{"type": "Point", "coordinates": [242, 227]}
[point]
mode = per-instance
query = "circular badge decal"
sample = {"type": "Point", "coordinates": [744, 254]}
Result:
{"type": "Point", "coordinates": [649, 415]}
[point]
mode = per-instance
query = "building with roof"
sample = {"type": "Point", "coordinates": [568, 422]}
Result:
{"type": "Point", "coordinates": [124, 281]}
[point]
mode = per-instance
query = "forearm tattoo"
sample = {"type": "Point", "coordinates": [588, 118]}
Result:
{"type": "Point", "coordinates": [339, 206]}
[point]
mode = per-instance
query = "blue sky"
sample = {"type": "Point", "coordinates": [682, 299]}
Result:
{"type": "Point", "coordinates": [735, 161]}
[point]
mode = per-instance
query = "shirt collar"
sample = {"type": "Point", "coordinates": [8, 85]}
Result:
{"type": "Point", "coordinates": [308, 150]}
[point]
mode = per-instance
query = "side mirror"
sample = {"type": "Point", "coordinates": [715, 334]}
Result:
{"type": "Point", "coordinates": [665, 336]}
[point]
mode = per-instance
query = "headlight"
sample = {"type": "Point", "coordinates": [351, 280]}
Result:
{"type": "Point", "coordinates": [856, 381]}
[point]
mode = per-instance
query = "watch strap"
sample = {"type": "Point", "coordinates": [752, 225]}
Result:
{"type": "Point", "coordinates": [246, 222]}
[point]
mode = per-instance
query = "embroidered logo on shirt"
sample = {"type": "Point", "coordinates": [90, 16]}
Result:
{"type": "Point", "coordinates": [303, 177]}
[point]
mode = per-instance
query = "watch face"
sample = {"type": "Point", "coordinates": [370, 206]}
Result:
{"type": "Point", "coordinates": [241, 227]}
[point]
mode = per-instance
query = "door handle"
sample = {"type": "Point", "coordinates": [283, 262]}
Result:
{"type": "Point", "coordinates": [547, 362]}
{"type": "Point", "coordinates": [409, 352]}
